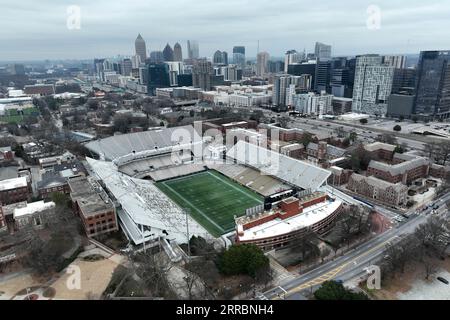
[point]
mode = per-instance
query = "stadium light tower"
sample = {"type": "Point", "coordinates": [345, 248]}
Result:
{"type": "Point", "coordinates": [186, 211]}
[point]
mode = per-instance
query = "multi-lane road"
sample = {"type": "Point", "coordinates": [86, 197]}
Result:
{"type": "Point", "coordinates": [352, 264]}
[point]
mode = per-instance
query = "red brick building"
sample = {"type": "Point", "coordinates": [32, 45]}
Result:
{"type": "Point", "coordinates": [95, 209]}
{"type": "Point", "coordinates": [292, 218]}
{"type": "Point", "coordinates": [382, 151]}
{"type": "Point", "coordinates": [14, 190]}
{"type": "Point", "coordinates": [404, 172]}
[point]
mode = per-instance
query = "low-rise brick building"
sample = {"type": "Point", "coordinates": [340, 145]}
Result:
{"type": "Point", "coordinates": [14, 190]}
{"type": "Point", "coordinates": [380, 150]}
{"type": "Point", "coordinates": [404, 172]}
{"type": "Point", "coordinates": [95, 209]}
{"type": "Point", "coordinates": [377, 189]}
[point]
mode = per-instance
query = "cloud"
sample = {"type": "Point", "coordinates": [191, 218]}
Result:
{"type": "Point", "coordinates": [31, 29]}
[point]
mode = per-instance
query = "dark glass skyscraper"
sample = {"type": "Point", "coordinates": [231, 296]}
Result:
{"type": "Point", "coordinates": [158, 77]}
{"type": "Point", "coordinates": [168, 53]}
{"type": "Point", "coordinates": [433, 84]}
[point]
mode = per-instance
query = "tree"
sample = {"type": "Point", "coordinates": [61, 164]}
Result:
{"type": "Point", "coordinates": [354, 220]}
{"type": "Point", "coordinates": [397, 128]}
{"type": "Point", "coordinates": [353, 136]}
{"type": "Point", "coordinates": [387, 138]}
{"type": "Point", "coordinates": [363, 121]}
{"type": "Point", "coordinates": [333, 290]}
{"type": "Point", "coordinates": [283, 121]}
{"type": "Point", "coordinates": [242, 259]}
{"type": "Point", "coordinates": [153, 270]}
{"type": "Point", "coordinates": [431, 149]}
{"type": "Point", "coordinates": [444, 152]}
{"type": "Point", "coordinates": [306, 138]}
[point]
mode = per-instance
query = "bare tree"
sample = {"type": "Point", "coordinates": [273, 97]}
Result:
{"type": "Point", "coordinates": [153, 270]}
{"type": "Point", "coordinates": [431, 149]}
{"type": "Point", "coordinates": [443, 152]}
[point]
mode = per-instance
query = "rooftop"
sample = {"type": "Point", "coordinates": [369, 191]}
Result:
{"type": "Point", "coordinates": [399, 168]}
{"type": "Point", "coordinates": [379, 145]}
{"type": "Point", "coordinates": [33, 207]}
{"type": "Point", "coordinates": [13, 183]}
{"type": "Point", "coordinates": [378, 183]}
{"type": "Point", "coordinates": [308, 217]}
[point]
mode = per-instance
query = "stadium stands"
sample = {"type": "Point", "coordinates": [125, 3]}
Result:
{"type": "Point", "coordinates": [122, 145]}
{"type": "Point", "coordinates": [290, 170]}
{"type": "Point", "coordinates": [263, 184]}
{"type": "Point", "coordinates": [145, 212]}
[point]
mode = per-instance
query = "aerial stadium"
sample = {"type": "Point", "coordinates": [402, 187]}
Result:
{"type": "Point", "coordinates": [163, 187]}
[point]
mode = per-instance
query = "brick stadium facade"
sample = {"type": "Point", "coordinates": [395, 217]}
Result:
{"type": "Point", "coordinates": [290, 208]}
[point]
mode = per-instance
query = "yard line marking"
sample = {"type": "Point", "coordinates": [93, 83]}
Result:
{"type": "Point", "coordinates": [234, 187]}
{"type": "Point", "coordinates": [195, 208]}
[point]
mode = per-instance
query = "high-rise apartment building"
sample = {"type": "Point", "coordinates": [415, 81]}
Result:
{"type": "Point", "coordinates": [291, 57]}
{"type": "Point", "coordinates": [125, 67]}
{"type": "Point", "coordinates": [398, 62]}
{"type": "Point", "coordinates": [372, 86]}
{"type": "Point", "coordinates": [202, 74]}
{"type": "Point", "coordinates": [262, 63]}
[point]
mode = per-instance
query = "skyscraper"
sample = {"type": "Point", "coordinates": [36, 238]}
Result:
{"type": "Point", "coordinates": [156, 57]}
{"type": "Point", "coordinates": [398, 62]}
{"type": "Point", "coordinates": [239, 56]}
{"type": "Point", "coordinates": [433, 84]}
{"type": "Point", "coordinates": [158, 77]}
{"type": "Point", "coordinates": [262, 63]}
{"type": "Point", "coordinates": [280, 89]}
{"type": "Point", "coordinates": [141, 49]}
{"type": "Point", "coordinates": [218, 57]}
{"type": "Point", "coordinates": [193, 51]}
{"type": "Point", "coordinates": [177, 52]}
{"type": "Point", "coordinates": [373, 85]}
{"type": "Point", "coordinates": [323, 76]}
{"type": "Point", "coordinates": [225, 57]}
{"type": "Point", "coordinates": [202, 74]}
{"type": "Point", "coordinates": [322, 51]}
{"type": "Point", "coordinates": [168, 53]}
{"type": "Point", "coordinates": [290, 57]}
{"type": "Point", "coordinates": [125, 67]}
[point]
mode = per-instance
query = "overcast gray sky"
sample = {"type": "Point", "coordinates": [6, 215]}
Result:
{"type": "Point", "coordinates": [37, 29]}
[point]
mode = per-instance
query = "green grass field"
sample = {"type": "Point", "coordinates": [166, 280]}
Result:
{"type": "Point", "coordinates": [212, 198]}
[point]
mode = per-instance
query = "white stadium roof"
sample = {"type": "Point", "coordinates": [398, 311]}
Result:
{"type": "Point", "coordinates": [293, 171]}
{"type": "Point", "coordinates": [124, 144]}
{"type": "Point", "coordinates": [145, 204]}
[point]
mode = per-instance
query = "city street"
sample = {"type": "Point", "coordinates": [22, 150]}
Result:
{"type": "Point", "coordinates": [351, 265]}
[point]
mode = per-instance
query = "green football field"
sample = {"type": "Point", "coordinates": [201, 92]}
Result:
{"type": "Point", "coordinates": [212, 198]}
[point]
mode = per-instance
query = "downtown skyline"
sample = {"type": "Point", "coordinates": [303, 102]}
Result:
{"type": "Point", "coordinates": [111, 30]}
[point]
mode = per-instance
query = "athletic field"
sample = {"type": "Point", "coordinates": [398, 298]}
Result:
{"type": "Point", "coordinates": [212, 198]}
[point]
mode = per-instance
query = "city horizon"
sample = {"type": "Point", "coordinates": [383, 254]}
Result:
{"type": "Point", "coordinates": [357, 28]}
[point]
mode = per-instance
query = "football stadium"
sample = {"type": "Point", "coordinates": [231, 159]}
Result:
{"type": "Point", "coordinates": [213, 200]}
{"type": "Point", "coordinates": [163, 189]}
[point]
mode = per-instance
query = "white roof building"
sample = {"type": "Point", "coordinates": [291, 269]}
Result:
{"type": "Point", "coordinates": [13, 183]}
{"type": "Point", "coordinates": [33, 208]}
